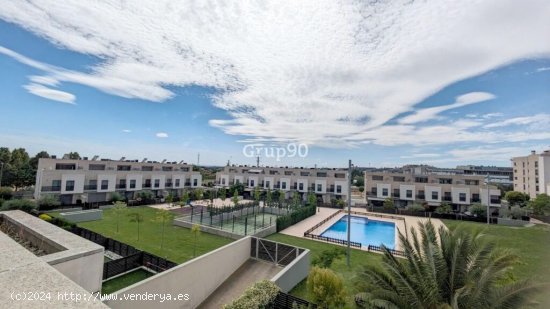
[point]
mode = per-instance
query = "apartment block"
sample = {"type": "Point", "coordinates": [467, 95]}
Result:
{"type": "Point", "coordinates": [327, 183]}
{"type": "Point", "coordinates": [81, 181]}
{"type": "Point", "coordinates": [532, 173]}
{"type": "Point", "coordinates": [418, 184]}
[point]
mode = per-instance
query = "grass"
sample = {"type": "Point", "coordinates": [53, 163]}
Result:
{"type": "Point", "coordinates": [178, 241]}
{"type": "Point", "coordinates": [123, 281]}
{"type": "Point", "coordinates": [349, 275]}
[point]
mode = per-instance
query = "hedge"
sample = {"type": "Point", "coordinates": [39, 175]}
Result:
{"type": "Point", "coordinates": [258, 296]}
{"type": "Point", "coordinates": [294, 217]}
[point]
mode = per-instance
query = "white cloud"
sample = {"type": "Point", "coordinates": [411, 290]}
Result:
{"type": "Point", "coordinates": [161, 135]}
{"type": "Point", "coordinates": [44, 80]}
{"type": "Point", "coordinates": [321, 72]}
{"type": "Point", "coordinates": [543, 69]}
{"type": "Point", "coordinates": [127, 131]}
{"type": "Point", "coordinates": [542, 121]}
{"type": "Point", "coordinates": [492, 115]}
{"type": "Point", "coordinates": [52, 94]}
{"type": "Point", "coordinates": [426, 114]}
{"type": "Point", "coordinates": [421, 155]}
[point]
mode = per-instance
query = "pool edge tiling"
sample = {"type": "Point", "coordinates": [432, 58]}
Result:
{"type": "Point", "coordinates": [376, 233]}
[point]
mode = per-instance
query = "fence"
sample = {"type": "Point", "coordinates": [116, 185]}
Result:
{"type": "Point", "coordinates": [429, 214]}
{"type": "Point", "coordinates": [287, 301]}
{"type": "Point", "coordinates": [334, 240]}
{"type": "Point", "coordinates": [273, 252]}
{"type": "Point", "coordinates": [379, 249]}
{"type": "Point", "coordinates": [321, 223]}
{"type": "Point", "coordinates": [131, 257]}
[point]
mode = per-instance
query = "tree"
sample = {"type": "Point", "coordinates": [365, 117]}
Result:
{"type": "Point", "coordinates": [311, 199]}
{"type": "Point", "coordinates": [137, 218]}
{"type": "Point", "coordinates": [196, 231]}
{"type": "Point", "coordinates": [541, 204]}
{"type": "Point", "coordinates": [223, 194]}
{"type": "Point", "coordinates": [6, 193]}
{"type": "Point", "coordinates": [478, 210]}
{"type": "Point", "coordinates": [444, 208]}
{"type": "Point", "coordinates": [326, 257]}
{"type": "Point", "coordinates": [235, 198]}
{"type": "Point", "coordinates": [281, 198]}
{"type": "Point", "coordinates": [237, 186]}
{"type": "Point", "coordinates": [184, 198]}
{"type": "Point", "coordinates": [198, 194]}
{"type": "Point", "coordinates": [359, 181]}
{"type": "Point", "coordinates": [447, 268]}
{"type": "Point", "coordinates": [163, 216]}
{"type": "Point", "coordinates": [517, 212]}
{"type": "Point", "coordinates": [326, 288]}
{"type": "Point", "coordinates": [388, 203]}
{"type": "Point", "coordinates": [268, 198]}
{"type": "Point", "coordinates": [169, 199]}
{"type": "Point", "coordinates": [516, 198]}
{"type": "Point", "coordinates": [296, 199]}
{"type": "Point", "coordinates": [34, 160]}
{"type": "Point", "coordinates": [257, 195]}
{"type": "Point", "coordinates": [73, 155]}
{"type": "Point", "coordinates": [116, 197]}
{"type": "Point", "coordinates": [119, 209]}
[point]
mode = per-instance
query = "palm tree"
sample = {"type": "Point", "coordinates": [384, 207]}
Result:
{"type": "Point", "coordinates": [445, 269]}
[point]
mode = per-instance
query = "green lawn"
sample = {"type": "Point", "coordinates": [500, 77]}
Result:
{"type": "Point", "coordinates": [123, 281]}
{"type": "Point", "coordinates": [358, 259]}
{"type": "Point", "coordinates": [178, 241]}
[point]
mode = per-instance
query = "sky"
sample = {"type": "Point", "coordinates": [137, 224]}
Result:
{"type": "Point", "coordinates": [382, 83]}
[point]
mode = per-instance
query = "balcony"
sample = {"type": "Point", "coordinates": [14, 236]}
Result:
{"type": "Point", "coordinates": [147, 185]}
{"type": "Point", "coordinates": [168, 185]}
{"type": "Point", "coordinates": [90, 187]}
{"type": "Point", "coordinates": [120, 186]}
{"type": "Point", "coordinates": [495, 201]}
{"type": "Point", "coordinates": [421, 197]}
{"type": "Point", "coordinates": [51, 189]}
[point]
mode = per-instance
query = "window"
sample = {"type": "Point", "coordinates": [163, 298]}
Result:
{"type": "Point", "coordinates": [237, 181]}
{"type": "Point", "coordinates": [56, 185]}
{"type": "Point", "coordinates": [435, 195]}
{"type": "Point", "coordinates": [300, 186]}
{"type": "Point", "coordinates": [396, 193]}
{"type": "Point", "coordinates": [338, 189]}
{"type": "Point", "coordinates": [104, 184]}
{"type": "Point", "coordinates": [252, 183]}
{"type": "Point", "coordinates": [283, 185]}
{"type": "Point", "coordinates": [61, 166]}
{"type": "Point", "coordinates": [462, 197]}
{"type": "Point", "coordinates": [421, 194]}
{"type": "Point", "coordinates": [475, 197]}
{"type": "Point", "coordinates": [384, 191]}
{"type": "Point", "coordinates": [69, 185]}
{"type": "Point", "coordinates": [196, 182]}
{"type": "Point", "coordinates": [377, 177]}
{"type": "Point", "coordinates": [288, 173]}
{"type": "Point", "coordinates": [185, 169]}
{"type": "Point", "coordinates": [157, 183]}
{"type": "Point", "coordinates": [409, 193]}
{"type": "Point", "coordinates": [223, 181]}
{"type": "Point", "coordinates": [446, 180]}
{"type": "Point", "coordinates": [177, 182]}
{"type": "Point", "coordinates": [373, 190]}
{"type": "Point", "coordinates": [319, 187]}
{"type": "Point", "coordinates": [267, 183]}
{"type": "Point", "coordinates": [398, 178]}
{"type": "Point", "coordinates": [132, 183]}
{"type": "Point", "coordinates": [96, 167]}
{"type": "Point", "coordinates": [123, 167]}
{"type": "Point", "coordinates": [122, 184]}
{"type": "Point", "coordinates": [421, 179]}
{"type": "Point", "coordinates": [167, 168]}
{"type": "Point", "coordinates": [321, 174]}
{"type": "Point", "coordinates": [339, 175]}
{"type": "Point", "coordinates": [470, 182]}
{"type": "Point", "coordinates": [304, 173]}
{"type": "Point", "coordinates": [147, 168]}
{"type": "Point", "coordinates": [272, 172]}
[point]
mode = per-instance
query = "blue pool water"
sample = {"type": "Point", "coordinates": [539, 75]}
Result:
{"type": "Point", "coordinates": [363, 230]}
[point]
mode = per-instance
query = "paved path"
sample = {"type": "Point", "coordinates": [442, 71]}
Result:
{"type": "Point", "coordinates": [249, 273]}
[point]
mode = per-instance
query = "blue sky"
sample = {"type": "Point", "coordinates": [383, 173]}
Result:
{"type": "Point", "coordinates": [71, 81]}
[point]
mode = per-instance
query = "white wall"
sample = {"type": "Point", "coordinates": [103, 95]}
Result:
{"type": "Point", "coordinates": [78, 183]}
{"type": "Point", "coordinates": [483, 195]}
{"type": "Point", "coordinates": [380, 188]}
{"type": "Point", "coordinates": [270, 179]}
{"type": "Point", "coordinates": [455, 194]}
{"type": "Point", "coordinates": [305, 184]}
{"type": "Point", "coordinates": [84, 271]}
{"type": "Point", "coordinates": [112, 182]}
{"type": "Point", "coordinates": [287, 181]}
{"type": "Point", "coordinates": [323, 184]}
{"type": "Point", "coordinates": [198, 278]}
{"type": "Point", "coordinates": [428, 193]}
{"type": "Point", "coordinates": [403, 192]}
{"type": "Point", "coordinates": [139, 181]}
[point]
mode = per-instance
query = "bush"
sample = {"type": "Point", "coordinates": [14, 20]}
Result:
{"type": "Point", "coordinates": [517, 212]}
{"type": "Point", "coordinates": [48, 202]}
{"type": "Point", "coordinates": [388, 204]}
{"type": "Point", "coordinates": [417, 208]}
{"type": "Point", "coordinates": [6, 193]}
{"type": "Point", "coordinates": [116, 197]}
{"type": "Point", "coordinates": [540, 205]}
{"type": "Point", "coordinates": [295, 216]}
{"type": "Point", "coordinates": [25, 205]}
{"type": "Point", "coordinates": [444, 208]}
{"type": "Point", "coordinates": [260, 295]}
{"type": "Point", "coordinates": [478, 210]}
{"type": "Point", "coordinates": [326, 288]}
{"type": "Point", "coordinates": [62, 223]}
{"type": "Point", "coordinates": [45, 217]}
{"type": "Point", "coordinates": [325, 259]}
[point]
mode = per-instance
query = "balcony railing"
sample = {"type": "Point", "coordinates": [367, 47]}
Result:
{"type": "Point", "coordinates": [121, 186]}
{"type": "Point", "coordinates": [147, 185]}
{"type": "Point", "coordinates": [51, 189]}
{"type": "Point", "coordinates": [90, 187]}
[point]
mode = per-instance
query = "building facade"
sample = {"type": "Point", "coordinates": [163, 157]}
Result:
{"type": "Point", "coordinates": [418, 185]}
{"type": "Point", "coordinates": [328, 184]}
{"type": "Point", "coordinates": [90, 181]}
{"type": "Point", "coordinates": [532, 173]}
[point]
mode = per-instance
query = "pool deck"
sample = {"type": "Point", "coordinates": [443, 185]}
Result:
{"type": "Point", "coordinates": [402, 223]}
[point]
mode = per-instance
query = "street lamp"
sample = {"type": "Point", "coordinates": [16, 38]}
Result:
{"type": "Point", "coordinates": [349, 211]}
{"type": "Point", "coordinates": [487, 181]}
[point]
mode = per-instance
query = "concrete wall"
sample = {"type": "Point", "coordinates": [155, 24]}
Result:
{"type": "Point", "coordinates": [86, 270]}
{"type": "Point", "coordinates": [512, 222]}
{"type": "Point", "coordinates": [293, 273]}
{"type": "Point", "coordinates": [83, 216]}
{"type": "Point", "coordinates": [198, 278]}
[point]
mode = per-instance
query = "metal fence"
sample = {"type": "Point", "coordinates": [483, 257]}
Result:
{"type": "Point", "coordinates": [287, 301]}
{"type": "Point", "coordinates": [273, 251]}
{"type": "Point", "coordinates": [334, 240]}
{"type": "Point", "coordinates": [379, 249]}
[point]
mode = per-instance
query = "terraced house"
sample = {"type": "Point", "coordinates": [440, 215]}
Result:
{"type": "Point", "coordinates": [418, 184]}
{"type": "Point", "coordinates": [328, 184]}
{"type": "Point", "coordinates": [79, 181]}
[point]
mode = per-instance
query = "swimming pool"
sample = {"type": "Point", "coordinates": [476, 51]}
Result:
{"type": "Point", "coordinates": [364, 230]}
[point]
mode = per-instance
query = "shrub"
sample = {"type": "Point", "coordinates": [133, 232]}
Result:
{"type": "Point", "coordinates": [444, 208]}
{"type": "Point", "coordinates": [417, 208]}
{"type": "Point", "coordinates": [115, 197]}
{"type": "Point", "coordinates": [325, 259]}
{"type": "Point", "coordinates": [540, 205]}
{"type": "Point", "coordinates": [48, 202]}
{"type": "Point", "coordinates": [388, 204]}
{"type": "Point", "coordinates": [326, 288]}
{"type": "Point", "coordinates": [295, 216]}
{"type": "Point", "coordinates": [260, 295]}
{"type": "Point", "coordinates": [478, 210]}
{"type": "Point", "coordinates": [6, 193]}
{"type": "Point", "coordinates": [517, 212]}
{"type": "Point", "coordinates": [62, 223]}
{"type": "Point", "coordinates": [45, 217]}
{"type": "Point", "coordinates": [25, 205]}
